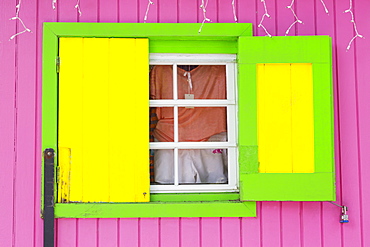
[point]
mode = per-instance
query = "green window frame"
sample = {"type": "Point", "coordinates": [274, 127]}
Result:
{"type": "Point", "coordinates": [233, 38]}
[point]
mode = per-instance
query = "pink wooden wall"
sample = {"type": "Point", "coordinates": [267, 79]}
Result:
{"type": "Point", "coordinates": [278, 223]}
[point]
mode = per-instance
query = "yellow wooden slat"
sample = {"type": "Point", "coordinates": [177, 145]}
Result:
{"type": "Point", "coordinates": [274, 118]}
{"type": "Point", "coordinates": [70, 108]}
{"type": "Point", "coordinates": [129, 107]}
{"type": "Point", "coordinates": [141, 105]}
{"type": "Point", "coordinates": [95, 120]}
{"type": "Point", "coordinates": [64, 174]}
{"type": "Point", "coordinates": [302, 118]}
{"type": "Point", "coordinates": [120, 99]}
{"type": "Point", "coordinates": [112, 144]}
{"type": "Point", "coordinates": [262, 155]}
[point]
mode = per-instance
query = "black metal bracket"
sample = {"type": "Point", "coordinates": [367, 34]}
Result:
{"type": "Point", "coordinates": [48, 213]}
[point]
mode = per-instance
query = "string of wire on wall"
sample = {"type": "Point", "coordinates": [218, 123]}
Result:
{"type": "Point", "coordinates": [296, 19]}
{"type": "Point", "coordinates": [349, 10]}
{"type": "Point", "coordinates": [266, 14]}
{"type": "Point", "coordinates": [203, 8]}
{"type": "Point", "coordinates": [16, 17]}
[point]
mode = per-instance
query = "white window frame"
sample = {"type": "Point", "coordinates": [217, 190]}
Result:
{"type": "Point", "coordinates": [229, 60]}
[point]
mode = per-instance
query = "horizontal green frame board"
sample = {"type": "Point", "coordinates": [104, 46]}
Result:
{"type": "Point", "coordinates": [193, 197]}
{"type": "Point", "coordinates": [168, 31]}
{"type": "Point", "coordinates": [283, 49]}
{"type": "Point", "coordinates": [278, 186]}
{"type": "Point", "coordinates": [156, 209]}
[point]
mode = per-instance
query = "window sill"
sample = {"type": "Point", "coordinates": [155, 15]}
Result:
{"type": "Point", "coordinates": [156, 209]}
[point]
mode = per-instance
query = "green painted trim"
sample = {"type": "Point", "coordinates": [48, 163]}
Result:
{"type": "Point", "coordinates": [193, 46]}
{"type": "Point", "coordinates": [318, 186]}
{"type": "Point", "coordinates": [174, 31]}
{"type": "Point", "coordinates": [247, 101]}
{"type": "Point", "coordinates": [49, 98]}
{"type": "Point", "coordinates": [193, 197]}
{"type": "Point", "coordinates": [285, 49]}
{"type": "Point", "coordinates": [323, 118]}
{"type": "Point", "coordinates": [288, 186]}
{"type": "Point", "coordinates": [164, 38]}
{"type": "Point", "coordinates": [154, 210]}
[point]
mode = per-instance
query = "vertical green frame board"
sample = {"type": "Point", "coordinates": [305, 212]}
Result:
{"type": "Point", "coordinates": [316, 186]}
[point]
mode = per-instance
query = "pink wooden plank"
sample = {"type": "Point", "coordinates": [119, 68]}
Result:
{"type": "Point", "coordinates": [348, 105]}
{"type": "Point", "coordinates": [169, 232]}
{"type": "Point", "coordinates": [269, 22]}
{"type": "Point", "coordinates": [225, 11]}
{"type": "Point", "coordinates": [66, 234]}
{"type": "Point", "coordinates": [152, 16]}
{"type": "Point", "coordinates": [45, 14]}
{"type": "Point", "coordinates": [284, 18]}
{"type": "Point", "coordinates": [7, 123]}
{"type": "Point", "coordinates": [87, 232]}
{"type": "Point", "coordinates": [89, 11]}
{"type": "Point", "coordinates": [190, 232]}
{"type": "Point", "coordinates": [167, 11]}
{"type": "Point", "coordinates": [251, 229]}
{"type": "Point", "coordinates": [270, 215]}
{"type": "Point", "coordinates": [108, 232]}
{"type": "Point", "coordinates": [128, 233]}
{"type": "Point", "coordinates": [149, 232]}
{"type": "Point", "coordinates": [325, 25]}
{"type": "Point", "coordinates": [128, 11]}
{"type": "Point", "coordinates": [332, 231]}
{"type": "Point", "coordinates": [25, 130]}
{"type": "Point", "coordinates": [363, 63]}
{"type": "Point", "coordinates": [247, 13]}
{"type": "Point", "coordinates": [311, 224]}
{"type": "Point", "coordinates": [108, 11]}
{"type": "Point", "coordinates": [211, 11]}
{"type": "Point", "coordinates": [291, 223]}
{"type": "Point", "coordinates": [210, 232]}
{"type": "Point", "coordinates": [67, 11]}
{"type": "Point", "coordinates": [231, 235]}
{"type": "Point", "coordinates": [188, 11]}
{"type": "Point", "coordinates": [306, 13]}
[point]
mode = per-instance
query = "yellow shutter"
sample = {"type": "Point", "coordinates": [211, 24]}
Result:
{"type": "Point", "coordinates": [103, 120]}
{"type": "Point", "coordinates": [285, 118]}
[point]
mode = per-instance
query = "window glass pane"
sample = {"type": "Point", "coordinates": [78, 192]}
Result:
{"type": "Point", "coordinates": [161, 82]}
{"type": "Point", "coordinates": [163, 166]}
{"type": "Point", "coordinates": [161, 124]}
{"type": "Point", "coordinates": [201, 81]}
{"type": "Point", "coordinates": [202, 124]}
{"type": "Point", "coordinates": [195, 166]}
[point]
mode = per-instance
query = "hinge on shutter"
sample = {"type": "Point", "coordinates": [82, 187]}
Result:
{"type": "Point", "coordinates": [57, 61]}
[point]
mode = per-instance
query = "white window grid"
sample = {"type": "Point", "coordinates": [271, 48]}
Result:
{"type": "Point", "coordinates": [229, 60]}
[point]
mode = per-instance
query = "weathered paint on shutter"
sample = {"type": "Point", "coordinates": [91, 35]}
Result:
{"type": "Point", "coordinates": [103, 120]}
{"type": "Point", "coordinates": [275, 166]}
{"type": "Point", "coordinates": [285, 118]}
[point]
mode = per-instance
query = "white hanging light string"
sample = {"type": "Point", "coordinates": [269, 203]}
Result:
{"type": "Point", "coordinates": [77, 6]}
{"type": "Point", "coordinates": [54, 4]}
{"type": "Point", "coordinates": [203, 6]}
{"type": "Point", "coordinates": [297, 20]}
{"type": "Point", "coordinates": [354, 25]}
{"type": "Point", "coordinates": [147, 10]}
{"type": "Point", "coordinates": [234, 11]}
{"type": "Point", "coordinates": [16, 17]}
{"type": "Point", "coordinates": [266, 14]}
{"type": "Point", "coordinates": [325, 8]}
